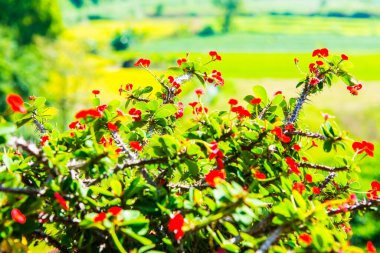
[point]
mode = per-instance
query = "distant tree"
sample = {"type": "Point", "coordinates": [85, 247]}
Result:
{"type": "Point", "coordinates": [77, 3]}
{"type": "Point", "coordinates": [230, 8]}
{"type": "Point", "coordinates": [29, 18]}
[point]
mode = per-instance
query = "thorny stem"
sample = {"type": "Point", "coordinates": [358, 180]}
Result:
{"type": "Point", "coordinates": [132, 156]}
{"type": "Point", "coordinates": [300, 101]}
{"type": "Point", "coordinates": [272, 238]}
{"type": "Point", "coordinates": [356, 207]}
{"type": "Point", "coordinates": [38, 124]}
{"type": "Point", "coordinates": [323, 185]}
{"type": "Point", "coordinates": [38, 234]}
{"type": "Point", "coordinates": [322, 167]}
{"type": "Point", "coordinates": [308, 134]}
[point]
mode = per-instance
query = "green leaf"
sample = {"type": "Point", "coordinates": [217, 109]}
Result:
{"type": "Point", "coordinates": [100, 190]}
{"type": "Point", "coordinates": [7, 128]}
{"type": "Point", "coordinates": [165, 111]}
{"type": "Point", "coordinates": [260, 92]}
{"type": "Point", "coordinates": [231, 228]}
{"type": "Point", "coordinates": [39, 102]}
{"type": "Point", "coordinates": [116, 187]}
{"type": "Point", "coordinates": [139, 238]}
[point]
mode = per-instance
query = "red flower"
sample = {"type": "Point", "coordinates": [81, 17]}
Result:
{"type": "Point", "coordinates": [112, 126]}
{"type": "Point", "coordinates": [354, 90]}
{"type": "Point", "coordinates": [277, 93]}
{"type": "Point", "coordinates": [216, 77]}
{"type": "Point", "coordinates": [289, 127]}
{"type": "Point", "coordinates": [199, 92]}
{"type": "Point", "coordinates": [180, 61]}
{"type": "Point", "coordinates": [100, 217]}
{"type": "Point", "coordinates": [115, 210]}
{"type": "Point", "coordinates": [120, 89]}
{"type": "Point", "coordinates": [364, 146]}
{"type": "Point", "coordinates": [316, 190]}
{"type": "Point", "coordinates": [136, 114]}
{"type": "Point", "coordinates": [73, 125]}
{"type": "Point", "coordinates": [370, 247]}
{"type": "Point", "coordinates": [344, 57]}
{"type": "Point", "coordinates": [292, 165]}
{"type": "Point", "coordinates": [233, 101]}
{"type": "Point", "coordinates": [299, 186]}
{"type": "Point", "coordinates": [314, 81]}
{"type": "Point", "coordinates": [323, 52]}
{"type": "Point", "coordinates": [255, 101]}
{"type": "Point", "coordinates": [129, 87]}
{"type": "Point", "coordinates": [260, 175]}
{"type": "Point", "coordinates": [319, 63]}
{"type": "Point", "coordinates": [278, 132]}
{"type": "Point", "coordinates": [95, 92]}
{"type": "Point", "coordinates": [304, 158]}
{"type": "Point", "coordinates": [296, 147]}
{"type": "Point", "coordinates": [220, 163]}
{"type": "Point", "coordinates": [179, 113]}
{"type": "Point", "coordinates": [95, 113]}
{"type": "Point", "coordinates": [18, 216]}
{"type": "Point", "coordinates": [296, 60]}
{"type": "Point", "coordinates": [44, 139]}
{"type": "Point", "coordinates": [372, 194]}
{"type": "Point", "coordinates": [143, 62]}
{"type": "Point", "coordinates": [215, 56]}
{"type": "Point", "coordinates": [193, 104]}
{"type": "Point", "coordinates": [135, 145]}
{"type": "Point", "coordinates": [305, 238]}
{"type": "Point", "coordinates": [101, 108]}
{"type": "Point", "coordinates": [214, 176]}
{"type": "Point", "coordinates": [61, 201]}
{"type": "Point", "coordinates": [313, 144]}
{"type": "Point", "coordinates": [215, 151]}
{"type": "Point", "coordinates": [309, 178]}
{"type": "Point", "coordinates": [241, 111]}
{"type": "Point", "coordinates": [16, 103]}
{"type": "Point", "coordinates": [175, 225]}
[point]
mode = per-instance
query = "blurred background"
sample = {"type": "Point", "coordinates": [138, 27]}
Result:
{"type": "Point", "coordinates": [63, 49]}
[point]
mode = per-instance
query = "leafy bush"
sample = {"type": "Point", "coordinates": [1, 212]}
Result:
{"type": "Point", "coordinates": [138, 177]}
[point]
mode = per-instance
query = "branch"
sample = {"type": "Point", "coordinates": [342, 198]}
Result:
{"type": "Point", "coordinates": [38, 234]}
{"type": "Point", "coordinates": [199, 185]}
{"type": "Point", "coordinates": [272, 238]}
{"type": "Point", "coordinates": [119, 142]}
{"type": "Point", "coordinates": [300, 101]}
{"type": "Point", "coordinates": [25, 191]}
{"type": "Point", "coordinates": [38, 124]}
{"type": "Point", "coordinates": [29, 148]}
{"type": "Point", "coordinates": [322, 167]}
{"type": "Point", "coordinates": [323, 185]}
{"type": "Point", "coordinates": [356, 207]}
{"type": "Point", "coordinates": [307, 134]}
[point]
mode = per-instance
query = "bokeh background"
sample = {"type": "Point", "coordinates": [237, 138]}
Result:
{"type": "Point", "coordinates": [63, 49]}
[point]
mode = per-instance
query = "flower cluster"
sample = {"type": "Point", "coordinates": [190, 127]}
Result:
{"type": "Point", "coordinates": [143, 63]}
{"type": "Point", "coordinates": [283, 137]}
{"type": "Point", "coordinates": [364, 146]}
{"type": "Point", "coordinates": [175, 225]}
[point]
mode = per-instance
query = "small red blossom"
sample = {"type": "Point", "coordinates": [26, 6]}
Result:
{"type": "Point", "coordinates": [277, 93]}
{"type": "Point", "coordinates": [255, 101]}
{"type": "Point", "coordinates": [143, 62]}
{"type": "Point", "coordinates": [344, 57]}
{"type": "Point", "coordinates": [278, 132]}
{"type": "Point", "coordinates": [213, 177]}
{"type": "Point", "coordinates": [308, 178]}
{"type": "Point", "coordinates": [136, 114]}
{"type": "Point", "coordinates": [16, 103]}
{"type": "Point", "coordinates": [319, 63]}
{"type": "Point", "coordinates": [241, 111]}
{"type": "Point", "coordinates": [96, 92]}
{"type": "Point", "coordinates": [120, 113]}
{"type": "Point", "coordinates": [299, 186]}
{"type": "Point", "coordinates": [220, 163]}
{"type": "Point", "coordinates": [215, 56]}
{"type": "Point", "coordinates": [18, 216]}
{"type": "Point", "coordinates": [354, 90]}
{"type": "Point", "coordinates": [314, 144]}
{"type": "Point", "coordinates": [180, 108]}
{"type": "Point", "coordinates": [200, 109]}
{"type": "Point", "coordinates": [352, 199]}
{"type": "Point", "coordinates": [372, 194]}
{"type": "Point", "coordinates": [296, 147]}
{"type": "Point", "coordinates": [370, 247]}
{"type": "Point", "coordinates": [289, 127]}
{"type": "Point", "coordinates": [364, 146]}
{"type": "Point", "coordinates": [316, 190]}
{"type": "Point", "coordinates": [314, 81]}
{"type": "Point", "coordinates": [44, 139]}
{"type": "Point", "coordinates": [293, 166]}
{"type": "Point", "coordinates": [215, 151]}
{"type": "Point", "coordinates": [129, 87]}
{"type": "Point", "coordinates": [112, 127]}
{"type": "Point", "coordinates": [118, 151]}
{"type": "Point", "coordinates": [136, 145]}
{"type": "Point", "coordinates": [120, 89]}
{"type": "Point", "coordinates": [115, 210]}
{"type": "Point", "coordinates": [233, 101]}
{"type": "Point", "coordinates": [304, 159]}
{"type": "Point", "coordinates": [180, 61]}
{"type": "Point", "coordinates": [95, 113]}
{"type": "Point", "coordinates": [323, 52]}
{"type": "Point", "coordinates": [199, 92]}
{"type": "Point", "coordinates": [305, 238]}
{"type": "Point", "coordinates": [296, 60]}
{"type": "Point", "coordinates": [73, 125]}
{"type": "Point", "coordinates": [175, 225]}
{"type": "Point", "coordinates": [260, 175]}
{"type": "Point", "coordinates": [193, 104]}
{"type": "Point", "coordinates": [61, 201]}
{"type": "Point", "coordinates": [216, 77]}
{"type": "Point", "coordinates": [100, 217]}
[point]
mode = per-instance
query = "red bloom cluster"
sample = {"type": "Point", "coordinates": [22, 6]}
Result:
{"type": "Point", "coordinates": [180, 61]}
{"type": "Point", "coordinates": [95, 113]}
{"type": "Point", "coordinates": [344, 57]}
{"type": "Point", "coordinates": [179, 113]}
{"type": "Point", "coordinates": [241, 111]}
{"type": "Point", "coordinates": [372, 194]}
{"type": "Point", "coordinates": [278, 132]}
{"type": "Point", "coordinates": [323, 52]}
{"type": "Point", "coordinates": [77, 125]}
{"type": "Point", "coordinates": [175, 85]}
{"type": "Point", "coordinates": [370, 247]}
{"type": "Point", "coordinates": [16, 103]}
{"type": "Point", "coordinates": [136, 145]}
{"type": "Point", "coordinates": [293, 165]}
{"type": "Point", "coordinates": [199, 92]}
{"type": "Point", "coordinates": [112, 127]}
{"type": "Point", "coordinates": [364, 146]}
{"type": "Point", "coordinates": [100, 217]}
{"type": "Point", "coordinates": [305, 238]}
{"type": "Point", "coordinates": [143, 62]}
{"type": "Point", "coordinates": [96, 92]}
{"type": "Point", "coordinates": [44, 139]}
{"type": "Point", "coordinates": [128, 87]}
{"type": "Point", "coordinates": [215, 56]}
{"type": "Point", "coordinates": [213, 176]}
{"type": "Point", "coordinates": [61, 201]}
{"type": "Point", "coordinates": [296, 147]}
{"type": "Point", "coordinates": [115, 210]}
{"type": "Point", "coordinates": [299, 186]}
{"type": "Point", "coordinates": [233, 102]}
{"type": "Point", "coordinates": [260, 175]}
{"type": "Point", "coordinates": [316, 190]}
{"type": "Point", "coordinates": [308, 178]}
{"type": "Point", "coordinates": [18, 216]}
{"type": "Point", "coordinates": [314, 81]}
{"type": "Point", "coordinates": [354, 90]}
{"type": "Point", "coordinates": [136, 114]}
{"type": "Point", "coordinates": [105, 142]}
{"type": "Point", "coordinates": [255, 101]}
{"type": "Point", "coordinates": [175, 225]}
{"type": "Point", "coordinates": [217, 154]}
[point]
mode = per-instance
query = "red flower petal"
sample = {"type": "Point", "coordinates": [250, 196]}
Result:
{"type": "Point", "coordinates": [18, 216]}
{"type": "Point", "coordinates": [213, 176]}
{"type": "Point", "coordinates": [100, 217]}
{"type": "Point", "coordinates": [61, 201]}
{"type": "Point", "coordinates": [306, 238]}
{"type": "Point", "coordinates": [115, 210]}
{"type": "Point", "coordinates": [16, 103]}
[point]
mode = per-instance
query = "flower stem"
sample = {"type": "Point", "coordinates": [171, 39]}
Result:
{"type": "Point", "coordinates": [115, 239]}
